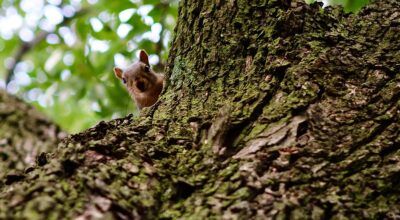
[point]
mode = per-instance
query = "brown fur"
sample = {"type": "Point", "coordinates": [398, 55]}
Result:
{"type": "Point", "coordinates": [143, 84]}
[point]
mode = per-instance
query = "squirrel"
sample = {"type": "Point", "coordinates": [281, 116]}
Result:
{"type": "Point", "coordinates": [143, 84]}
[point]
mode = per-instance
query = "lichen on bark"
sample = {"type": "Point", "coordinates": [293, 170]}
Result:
{"type": "Point", "coordinates": [272, 109]}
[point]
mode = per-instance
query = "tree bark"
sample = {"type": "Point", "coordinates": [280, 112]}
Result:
{"type": "Point", "coordinates": [272, 109]}
{"type": "Point", "coordinates": [24, 134]}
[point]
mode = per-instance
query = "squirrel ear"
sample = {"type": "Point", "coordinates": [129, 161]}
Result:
{"type": "Point", "coordinates": [118, 72]}
{"type": "Point", "coordinates": [144, 58]}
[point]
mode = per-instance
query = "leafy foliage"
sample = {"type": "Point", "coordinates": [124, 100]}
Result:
{"type": "Point", "coordinates": [67, 71]}
{"type": "Point", "coordinates": [349, 5]}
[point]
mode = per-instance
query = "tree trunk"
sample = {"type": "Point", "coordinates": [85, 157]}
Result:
{"type": "Point", "coordinates": [272, 109]}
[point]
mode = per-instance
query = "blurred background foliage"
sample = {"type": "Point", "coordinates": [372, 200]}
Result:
{"type": "Point", "coordinates": [58, 54]}
{"type": "Point", "coordinates": [348, 5]}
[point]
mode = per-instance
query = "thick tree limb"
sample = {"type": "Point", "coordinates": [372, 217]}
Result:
{"type": "Point", "coordinates": [272, 109]}
{"type": "Point", "coordinates": [24, 134]}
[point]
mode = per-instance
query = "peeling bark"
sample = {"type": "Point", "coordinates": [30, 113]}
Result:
{"type": "Point", "coordinates": [272, 109]}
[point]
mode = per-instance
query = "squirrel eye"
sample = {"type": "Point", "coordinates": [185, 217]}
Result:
{"type": "Point", "coordinates": [147, 68]}
{"type": "Point", "coordinates": [124, 80]}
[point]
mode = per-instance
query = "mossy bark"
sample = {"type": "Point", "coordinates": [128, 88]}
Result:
{"type": "Point", "coordinates": [24, 134]}
{"type": "Point", "coordinates": [272, 109]}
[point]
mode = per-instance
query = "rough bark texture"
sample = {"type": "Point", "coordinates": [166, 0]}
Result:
{"type": "Point", "coordinates": [24, 134]}
{"type": "Point", "coordinates": [272, 109]}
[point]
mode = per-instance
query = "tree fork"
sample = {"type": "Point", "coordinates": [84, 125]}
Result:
{"type": "Point", "coordinates": [272, 109]}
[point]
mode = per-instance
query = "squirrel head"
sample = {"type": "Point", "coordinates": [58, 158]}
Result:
{"type": "Point", "coordinates": [142, 83]}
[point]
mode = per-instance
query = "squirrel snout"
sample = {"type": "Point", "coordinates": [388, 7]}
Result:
{"type": "Point", "coordinates": [143, 84]}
